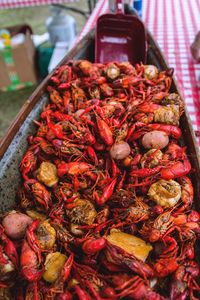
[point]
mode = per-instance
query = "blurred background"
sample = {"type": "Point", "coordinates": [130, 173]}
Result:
{"type": "Point", "coordinates": [38, 18]}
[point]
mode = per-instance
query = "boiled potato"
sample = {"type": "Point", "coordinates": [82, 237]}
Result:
{"type": "Point", "coordinates": [155, 139]}
{"type": "Point", "coordinates": [53, 265]}
{"type": "Point", "coordinates": [47, 173]}
{"type": "Point", "coordinates": [15, 224]}
{"type": "Point", "coordinates": [130, 244]}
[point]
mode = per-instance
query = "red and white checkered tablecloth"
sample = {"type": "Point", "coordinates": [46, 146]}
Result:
{"type": "Point", "coordinates": [24, 3]}
{"type": "Point", "coordinates": [173, 24]}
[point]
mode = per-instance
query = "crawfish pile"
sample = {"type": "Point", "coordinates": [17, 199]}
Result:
{"type": "Point", "coordinates": [105, 207]}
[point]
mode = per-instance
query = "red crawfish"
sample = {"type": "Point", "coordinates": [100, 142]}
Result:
{"type": "Point", "coordinates": [118, 257]}
{"type": "Point", "coordinates": [136, 212]}
{"type": "Point", "coordinates": [79, 172]}
{"type": "Point", "coordinates": [133, 287]}
{"type": "Point", "coordinates": [106, 90]}
{"type": "Point", "coordinates": [64, 191]}
{"type": "Point", "coordinates": [42, 129]}
{"type": "Point", "coordinates": [187, 193]}
{"type": "Point", "coordinates": [66, 295]}
{"type": "Point", "coordinates": [184, 281]}
{"type": "Point", "coordinates": [126, 68]}
{"type": "Point", "coordinates": [89, 280]}
{"type": "Point", "coordinates": [8, 257]}
{"type": "Point", "coordinates": [78, 96]}
{"type": "Point", "coordinates": [65, 117]}
{"type": "Point", "coordinates": [134, 134]}
{"type": "Point", "coordinates": [66, 270]}
{"type": "Point", "coordinates": [165, 78]}
{"type": "Point", "coordinates": [76, 169]}
{"type": "Point", "coordinates": [145, 172]}
{"type": "Point", "coordinates": [112, 108]}
{"type": "Point", "coordinates": [79, 131]}
{"type": "Point", "coordinates": [94, 91]}
{"type": "Point", "coordinates": [33, 291]}
{"type": "Point", "coordinates": [67, 148]}
{"type": "Point", "coordinates": [86, 67]}
{"type": "Point", "coordinates": [127, 82]}
{"type": "Point", "coordinates": [93, 245]}
{"type": "Point", "coordinates": [121, 133]}
{"type": "Point", "coordinates": [24, 199]}
{"type": "Point", "coordinates": [160, 114]}
{"type": "Point", "coordinates": [181, 165]}
{"type": "Point", "coordinates": [65, 73]}
{"type": "Point", "coordinates": [40, 194]}
{"type": "Point", "coordinates": [57, 212]}
{"type": "Point", "coordinates": [82, 294]}
{"type": "Point", "coordinates": [106, 193]}
{"type": "Point", "coordinates": [155, 230]}
{"type": "Point", "coordinates": [30, 260]}
{"type": "Point", "coordinates": [67, 102]}
{"type": "Point", "coordinates": [187, 225]}
{"type": "Point", "coordinates": [92, 155]}
{"type": "Point", "coordinates": [187, 250]}
{"type": "Point", "coordinates": [174, 164]}
{"type": "Point", "coordinates": [43, 144]}
{"type": "Point", "coordinates": [55, 130]}
{"type": "Point", "coordinates": [168, 260]}
{"type": "Point", "coordinates": [29, 161]}
{"type": "Point", "coordinates": [122, 198]}
{"type": "Point", "coordinates": [105, 132]}
{"type": "Point", "coordinates": [55, 97]}
{"type": "Point", "coordinates": [63, 69]}
{"type": "Point", "coordinates": [174, 170]}
{"type": "Point", "coordinates": [29, 263]}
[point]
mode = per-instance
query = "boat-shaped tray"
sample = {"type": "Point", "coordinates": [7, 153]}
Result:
{"type": "Point", "coordinates": [14, 143]}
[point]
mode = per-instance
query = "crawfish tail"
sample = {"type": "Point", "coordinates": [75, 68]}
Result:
{"type": "Point", "coordinates": [176, 170]}
{"type": "Point", "coordinates": [145, 172]}
{"type": "Point", "coordinates": [105, 132]}
{"type": "Point", "coordinates": [92, 245]}
{"type": "Point", "coordinates": [107, 193]}
{"type": "Point", "coordinates": [139, 267]}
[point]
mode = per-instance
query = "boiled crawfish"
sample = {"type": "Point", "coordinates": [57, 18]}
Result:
{"type": "Point", "coordinates": [112, 213]}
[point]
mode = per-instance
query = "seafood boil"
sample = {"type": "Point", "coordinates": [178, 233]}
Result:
{"type": "Point", "coordinates": [105, 206]}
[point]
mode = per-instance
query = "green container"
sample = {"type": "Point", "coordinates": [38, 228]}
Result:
{"type": "Point", "coordinates": [44, 53]}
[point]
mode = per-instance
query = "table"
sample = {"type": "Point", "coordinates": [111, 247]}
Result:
{"type": "Point", "coordinates": [173, 24]}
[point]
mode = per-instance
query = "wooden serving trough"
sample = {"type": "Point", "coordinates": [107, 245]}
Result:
{"type": "Point", "coordinates": [14, 143]}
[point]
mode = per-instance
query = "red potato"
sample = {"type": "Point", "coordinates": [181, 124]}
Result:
{"type": "Point", "coordinates": [155, 140]}
{"type": "Point", "coordinates": [15, 224]}
{"type": "Point", "coordinates": [120, 150]}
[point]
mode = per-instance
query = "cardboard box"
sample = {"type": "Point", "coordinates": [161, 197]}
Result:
{"type": "Point", "coordinates": [17, 62]}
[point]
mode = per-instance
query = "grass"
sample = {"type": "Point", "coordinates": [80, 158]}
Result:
{"type": "Point", "coordinates": [36, 16]}
{"type": "Point", "coordinates": [11, 102]}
